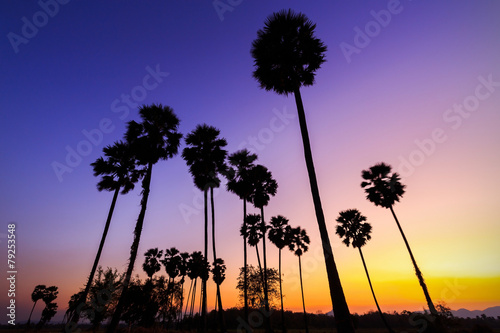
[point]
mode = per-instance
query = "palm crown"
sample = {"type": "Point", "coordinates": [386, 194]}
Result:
{"type": "Point", "coordinates": [298, 241]}
{"type": "Point", "coordinates": [151, 263]}
{"type": "Point", "coordinates": [253, 229]}
{"type": "Point", "coordinates": [263, 184]}
{"type": "Point", "coordinates": [381, 187]}
{"type": "Point", "coordinates": [286, 53]}
{"type": "Point", "coordinates": [353, 228]}
{"type": "Point", "coordinates": [205, 156]}
{"type": "Point", "coordinates": [239, 182]}
{"type": "Point", "coordinates": [278, 232]}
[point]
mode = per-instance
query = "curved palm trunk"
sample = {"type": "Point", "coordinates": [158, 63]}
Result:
{"type": "Point", "coordinates": [432, 309]}
{"type": "Point", "coordinates": [146, 183]}
{"type": "Point", "coordinates": [302, 291]}
{"type": "Point", "coordinates": [83, 298]}
{"type": "Point", "coordinates": [219, 298]}
{"type": "Point", "coordinates": [267, 315]}
{"type": "Point", "coordinates": [283, 326]}
{"type": "Point", "coordinates": [29, 318]}
{"type": "Point", "coordinates": [203, 281]}
{"type": "Point", "coordinates": [373, 293]}
{"type": "Point", "coordinates": [340, 308]}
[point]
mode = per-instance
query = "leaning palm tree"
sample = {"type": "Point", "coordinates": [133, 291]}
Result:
{"type": "Point", "coordinates": [264, 186]}
{"type": "Point", "coordinates": [37, 294]}
{"type": "Point", "coordinates": [155, 138]}
{"type": "Point", "coordinates": [205, 157]}
{"type": "Point", "coordinates": [384, 189]}
{"type": "Point", "coordinates": [298, 243]}
{"type": "Point", "coordinates": [239, 183]}
{"type": "Point", "coordinates": [118, 172]}
{"type": "Point", "coordinates": [353, 229]}
{"type": "Point", "coordinates": [278, 235]}
{"type": "Point", "coordinates": [286, 56]}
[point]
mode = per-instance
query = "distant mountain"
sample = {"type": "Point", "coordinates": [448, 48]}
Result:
{"type": "Point", "coordinates": [489, 312]}
{"type": "Point", "coordinates": [464, 313]}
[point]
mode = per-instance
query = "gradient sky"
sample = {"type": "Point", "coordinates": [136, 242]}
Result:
{"type": "Point", "coordinates": [398, 98]}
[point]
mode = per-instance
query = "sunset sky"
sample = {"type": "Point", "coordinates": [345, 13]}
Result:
{"type": "Point", "coordinates": [415, 84]}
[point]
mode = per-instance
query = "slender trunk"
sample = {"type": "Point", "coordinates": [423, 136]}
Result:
{"type": "Point", "coordinates": [204, 281]}
{"type": "Point", "coordinates": [187, 299]}
{"type": "Point", "coordinates": [340, 308]}
{"type": "Point", "coordinates": [267, 315]}
{"type": "Point", "coordinates": [76, 315]}
{"type": "Point", "coordinates": [260, 266]}
{"type": "Point", "coordinates": [283, 326]}
{"type": "Point", "coordinates": [29, 318]}
{"type": "Point", "coordinates": [373, 293]}
{"type": "Point", "coordinates": [245, 273]}
{"type": "Point", "coordinates": [219, 298]}
{"type": "Point", "coordinates": [432, 309]}
{"type": "Point", "coordinates": [146, 182]}
{"type": "Point", "coordinates": [302, 291]}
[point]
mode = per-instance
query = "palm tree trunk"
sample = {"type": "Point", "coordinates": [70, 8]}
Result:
{"type": "Point", "coordinates": [432, 309]}
{"type": "Point", "coordinates": [29, 318]}
{"type": "Point", "coordinates": [260, 266]}
{"type": "Point", "coordinates": [146, 182]}
{"type": "Point", "coordinates": [373, 293]}
{"type": "Point", "coordinates": [340, 308]}
{"type": "Point", "coordinates": [83, 298]}
{"type": "Point", "coordinates": [267, 315]}
{"type": "Point", "coordinates": [204, 281]}
{"type": "Point", "coordinates": [219, 298]}
{"type": "Point", "coordinates": [283, 326]}
{"type": "Point", "coordinates": [245, 277]}
{"type": "Point", "coordinates": [302, 291]}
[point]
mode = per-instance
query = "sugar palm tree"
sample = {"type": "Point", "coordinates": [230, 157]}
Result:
{"type": "Point", "coordinates": [36, 295]}
{"type": "Point", "coordinates": [219, 275]}
{"type": "Point", "coordinates": [264, 186]}
{"type": "Point", "coordinates": [384, 189]}
{"type": "Point", "coordinates": [298, 243]}
{"type": "Point", "coordinates": [118, 172]}
{"type": "Point", "coordinates": [151, 263]}
{"type": "Point", "coordinates": [252, 230]}
{"type": "Point", "coordinates": [278, 235]}
{"type": "Point", "coordinates": [239, 183]}
{"type": "Point", "coordinates": [353, 229]}
{"type": "Point", "coordinates": [155, 138]}
{"type": "Point", "coordinates": [205, 157]}
{"type": "Point", "coordinates": [286, 56]}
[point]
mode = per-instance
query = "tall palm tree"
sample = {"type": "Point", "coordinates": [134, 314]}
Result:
{"type": "Point", "coordinates": [155, 138]}
{"type": "Point", "coordinates": [239, 183]}
{"type": "Point", "coordinates": [278, 235]}
{"type": "Point", "coordinates": [384, 189]}
{"type": "Point", "coordinates": [286, 56]}
{"type": "Point", "coordinates": [298, 244]}
{"type": "Point", "coordinates": [205, 157]}
{"type": "Point", "coordinates": [37, 294]}
{"type": "Point", "coordinates": [264, 186]}
{"type": "Point", "coordinates": [118, 171]}
{"type": "Point", "coordinates": [353, 229]}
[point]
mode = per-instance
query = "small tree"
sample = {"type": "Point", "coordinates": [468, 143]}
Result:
{"type": "Point", "coordinates": [255, 286]}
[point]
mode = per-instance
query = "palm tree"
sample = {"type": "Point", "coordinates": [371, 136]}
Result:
{"type": "Point", "coordinates": [264, 186]}
{"type": "Point", "coordinates": [151, 263]}
{"type": "Point", "coordinates": [252, 230]}
{"type": "Point", "coordinates": [36, 295]}
{"type": "Point", "coordinates": [298, 244]}
{"type": "Point", "coordinates": [219, 275]}
{"type": "Point", "coordinates": [183, 271]}
{"type": "Point", "coordinates": [155, 138]}
{"type": "Point", "coordinates": [240, 184]}
{"type": "Point", "coordinates": [118, 171]}
{"type": "Point", "coordinates": [278, 235]}
{"type": "Point", "coordinates": [205, 157]}
{"type": "Point", "coordinates": [384, 189]}
{"type": "Point", "coordinates": [354, 230]}
{"type": "Point", "coordinates": [286, 56]}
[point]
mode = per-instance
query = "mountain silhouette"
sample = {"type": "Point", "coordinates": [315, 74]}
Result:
{"type": "Point", "coordinates": [489, 312]}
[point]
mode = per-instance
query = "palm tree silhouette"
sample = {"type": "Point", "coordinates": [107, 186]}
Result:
{"type": "Point", "coordinates": [196, 264]}
{"type": "Point", "coordinates": [264, 186]}
{"type": "Point", "coordinates": [205, 157]}
{"type": "Point", "coordinates": [183, 271]}
{"type": "Point", "coordinates": [36, 295]}
{"type": "Point", "coordinates": [252, 230]}
{"type": "Point", "coordinates": [118, 171]}
{"type": "Point", "coordinates": [384, 189]}
{"type": "Point", "coordinates": [155, 138]}
{"type": "Point", "coordinates": [298, 244]}
{"type": "Point", "coordinates": [151, 263]}
{"type": "Point", "coordinates": [353, 229]}
{"type": "Point", "coordinates": [286, 56]}
{"type": "Point", "coordinates": [278, 235]}
{"type": "Point", "coordinates": [240, 184]}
